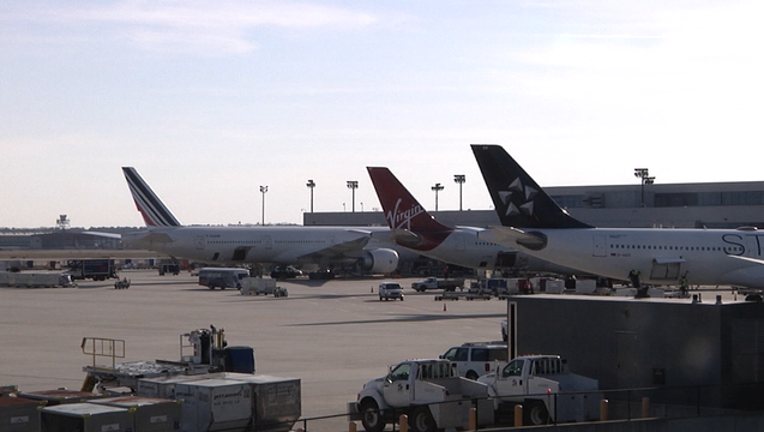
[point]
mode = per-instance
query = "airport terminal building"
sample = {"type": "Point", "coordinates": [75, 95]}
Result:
{"type": "Point", "coordinates": [689, 205]}
{"type": "Point", "coordinates": [692, 205]}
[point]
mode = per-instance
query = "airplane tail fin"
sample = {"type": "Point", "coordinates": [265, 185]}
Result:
{"type": "Point", "coordinates": [415, 227]}
{"type": "Point", "coordinates": [519, 201]}
{"type": "Point", "coordinates": [154, 212]}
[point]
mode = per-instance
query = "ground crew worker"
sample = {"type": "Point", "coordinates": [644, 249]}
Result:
{"type": "Point", "coordinates": [634, 278]}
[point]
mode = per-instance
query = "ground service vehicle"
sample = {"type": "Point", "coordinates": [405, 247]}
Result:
{"type": "Point", "coordinates": [474, 359]}
{"type": "Point", "coordinates": [258, 286]}
{"type": "Point", "coordinates": [96, 269]}
{"type": "Point", "coordinates": [222, 277]}
{"type": "Point", "coordinates": [287, 272]}
{"type": "Point", "coordinates": [537, 382]}
{"type": "Point", "coordinates": [429, 392]}
{"type": "Point", "coordinates": [35, 279]}
{"type": "Point", "coordinates": [390, 290]}
{"type": "Point", "coordinates": [171, 268]}
{"type": "Point", "coordinates": [435, 283]}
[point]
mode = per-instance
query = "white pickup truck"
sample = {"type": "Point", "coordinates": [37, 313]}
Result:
{"type": "Point", "coordinates": [538, 382]}
{"type": "Point", "coordinates": [435, 283]}
{"type": "Point", "coordinates": [429, 391]}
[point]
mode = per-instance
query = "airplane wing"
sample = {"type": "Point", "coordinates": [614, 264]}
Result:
{"type": "Point", "coordinates": [348, 249]}
{"type": "Point", "coordinates": [102, 234]}
{"type": "Point", "coordinates": [753, 260]}
{"type": "Point", "coordinates": [510, 236]}
{"type": "Point", "coordinates": [401, 236]}
{"type": "Point", "coordinates": [146, 239]}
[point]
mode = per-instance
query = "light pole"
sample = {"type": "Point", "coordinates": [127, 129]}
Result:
{"type": "Point", "coordinates": [644, 174]}
{"type": "Point", "coordinates": [437, 188]}
{"type": "Point", "coordinates": [460, 179]}
{"type": "Point", "coordinates": [311, 184]}
{"type": "Point", "coordinates": [353, 185]}
{"type": "Point", "coordinates": [263, 190]}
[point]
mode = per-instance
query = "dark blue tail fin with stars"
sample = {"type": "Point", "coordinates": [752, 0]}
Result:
{"type": "Point", "coordinates": [519, 201]}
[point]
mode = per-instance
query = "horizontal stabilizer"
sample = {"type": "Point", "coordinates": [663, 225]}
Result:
{"type": "Point", "coordinates": [528, 240]}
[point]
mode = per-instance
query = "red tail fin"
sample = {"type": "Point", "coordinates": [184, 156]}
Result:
{"type": "Point", "coordinates": [402, 210]}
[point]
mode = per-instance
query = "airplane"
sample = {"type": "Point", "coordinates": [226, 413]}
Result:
{"type": "Point", "coordinates": [534, 223]}
{"type": "Point", "coordinates": [414, 228]}
{"type": "Point", "coordinates": [321, 247]}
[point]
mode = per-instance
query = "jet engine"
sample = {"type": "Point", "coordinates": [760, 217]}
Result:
{"type": "Point", "coordinates": [379, 261]}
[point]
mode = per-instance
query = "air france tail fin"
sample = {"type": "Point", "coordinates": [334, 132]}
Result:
{"type": "Point", "coordinates": [154, 212]}
{"type": "Point", "coordinates": [519, 201]}
{"type": "Point", "coordinates": [414, 227]}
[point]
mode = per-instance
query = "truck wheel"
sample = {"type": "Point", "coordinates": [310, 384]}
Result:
{"type": "Point", "coordinates": [422, 421]}
{"type": "Point", "coordinates": [372, 419]}
{"type": "Point", "coordinates": [537, 414]}
{"type": "Point", "coordinates": [471, 375]}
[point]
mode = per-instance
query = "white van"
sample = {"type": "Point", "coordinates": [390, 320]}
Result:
{"type": "Point", "coordinates": [222, 277]}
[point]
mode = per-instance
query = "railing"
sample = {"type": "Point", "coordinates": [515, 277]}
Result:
{"type": "Point", "coordinates": [101, 347]}
{"type": "Point", "coordinates": [610, 405]}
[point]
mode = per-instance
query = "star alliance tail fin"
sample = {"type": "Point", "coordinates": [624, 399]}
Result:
{"type": "Point", "coordinates": [519, 201]}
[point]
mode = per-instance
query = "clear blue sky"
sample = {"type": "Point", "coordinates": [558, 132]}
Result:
{"type": "Point", "coordinates": [210, 100]}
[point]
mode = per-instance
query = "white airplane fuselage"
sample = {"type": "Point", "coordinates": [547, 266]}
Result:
{"type": "Point", "coordinates": [275, 245]}
{"type": "Point", "coordinates": [662, 256]}
{"type": "Point", "coordinates": [478, 249]}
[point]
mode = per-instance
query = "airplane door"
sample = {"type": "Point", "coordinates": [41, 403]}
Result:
{"type": "Point", "coordinates": [268, 242]}
{"type": "Point", "coordinates": [460, 244]}
{"type": "Point", "coordinates": [752, 249]}
{"type": "Point", "coordinates": [200, 242]}
{"type": "Point", "coordinates": [600, 245]}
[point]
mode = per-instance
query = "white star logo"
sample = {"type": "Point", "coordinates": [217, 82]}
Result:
{"type": "Point", "coordinates": [525, 194]}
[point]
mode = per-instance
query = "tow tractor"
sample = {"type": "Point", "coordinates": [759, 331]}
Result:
{"type": "Point", "coordinates": [202, 351]}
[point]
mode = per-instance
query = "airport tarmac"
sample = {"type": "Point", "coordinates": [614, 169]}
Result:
{"type": "Point", "coordinates": [333, 335]}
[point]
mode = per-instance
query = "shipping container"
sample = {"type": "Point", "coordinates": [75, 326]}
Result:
{"type": "Point", "coordinates": [59, 396]}
{"type": "Point", "coordinates": [149, 414]}
{"type": "Point", "coordinates": [215, 404]}
{"type": "Point", "coordinates": [85, 417]}
{"type": "Point", "coordinates": [18, 414]}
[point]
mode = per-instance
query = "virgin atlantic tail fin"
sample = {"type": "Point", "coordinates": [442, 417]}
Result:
{"type": "Point", "coordinates": [154, 212]}
{"type": "Point", "coordinates": [519, 201]}
{"type": "Point", "coordinates": [415, 228]}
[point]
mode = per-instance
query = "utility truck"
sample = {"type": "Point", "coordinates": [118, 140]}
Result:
{"type": "Point", "coordinates": [430, 392]}
{"type": "Point", "coordinates": [97, 269]}
{"type": "Point", "coordinates": [545, 388]}
{"type": "Point", "coordinates": [435, 283]}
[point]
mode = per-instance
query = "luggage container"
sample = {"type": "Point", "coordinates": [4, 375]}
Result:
{"type": "Point", "coordinates": [277, 402]}
{"type": "Point", "coordinates": [164, 387]}
{"type": "Point", "coordinates": [85, 417]}
{"type": "Point", "coordinates": [149, 414]}
{"type": "Point", "coordinates": [215, 404]}
{"type": "Point", "coordinates": [59, 396]}
{"type": "Point", "coordinates": [18, 414]}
